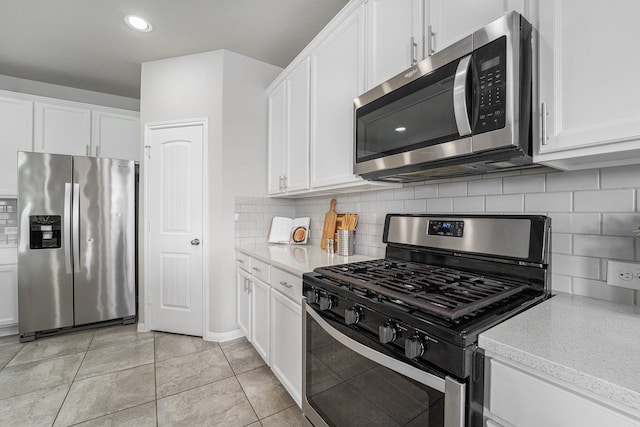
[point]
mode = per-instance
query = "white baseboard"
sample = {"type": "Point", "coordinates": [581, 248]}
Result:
{"type": "Point", "coordinates": [142, 327]}
{"type": "Point", "coordinates": [223, 336]}
{"type": "Point", "coordinates": [8, 330]}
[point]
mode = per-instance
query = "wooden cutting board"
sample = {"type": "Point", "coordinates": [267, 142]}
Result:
{"type": "Point", "coordinates": [329, 224]}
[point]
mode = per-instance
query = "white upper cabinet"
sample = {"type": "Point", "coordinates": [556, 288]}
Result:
{"type": "Point", "coordinates": [116, 134]}
{"type": "Point", "coordinates": [451, 20]}
{"type": "Point", "coordinates": [277, 144]}
{"type": "Point", "coordinates": [589, 95]}
{"type": "Point", "coordinates": [62, 129]}
{"type": "Point", "coordinates": [337, 78]}
{"type": "Point", "coordinates": [297, 177]}
{"type": "Point", "coordinates": [288, 158]}
{"type": "Point", "coordinates": [395, 37]}
{"type": "Point", "coordinates": [16, 134]}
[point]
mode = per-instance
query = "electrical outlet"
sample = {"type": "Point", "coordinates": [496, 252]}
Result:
{"type": "Point", "coordinates": [623, 274]}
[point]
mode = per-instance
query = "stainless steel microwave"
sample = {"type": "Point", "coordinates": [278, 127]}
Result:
{"type": "Point", "coordinates": [464, 110]}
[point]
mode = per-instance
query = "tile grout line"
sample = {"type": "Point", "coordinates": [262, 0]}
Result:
{"type": "Point", "coordinates": [241, 388]}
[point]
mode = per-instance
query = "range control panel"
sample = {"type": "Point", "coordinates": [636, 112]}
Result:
{"type": "Point", "coordinates": [446, 228]}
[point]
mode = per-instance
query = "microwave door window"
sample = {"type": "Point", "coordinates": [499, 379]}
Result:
{"type": "Point", "coordinates": [417, 115]}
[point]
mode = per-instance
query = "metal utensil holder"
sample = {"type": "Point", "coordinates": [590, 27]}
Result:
{"type": "Point", "coordinates": [346, 242]}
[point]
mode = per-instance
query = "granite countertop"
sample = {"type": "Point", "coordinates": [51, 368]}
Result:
{"type": "Point", "coordinates": [297, 259]}
{"type": "Point", "coordinates": [588, 343]}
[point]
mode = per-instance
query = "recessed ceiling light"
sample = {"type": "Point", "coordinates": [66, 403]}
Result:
{"type": "Point", "coordinates": [138, 23]}
{"type": "Point", "coordinates": [401, 129]}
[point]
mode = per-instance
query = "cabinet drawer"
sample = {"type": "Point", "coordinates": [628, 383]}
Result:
{"type": "Point", "coordinates": [243, 261]}
{"type": "Point", "coordinates": [260, 270]}
{"type": "Point", "coordinates": [287, 284]}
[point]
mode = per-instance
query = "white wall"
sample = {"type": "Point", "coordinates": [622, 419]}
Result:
{"type": "Point", "coordinates": [229, 90]}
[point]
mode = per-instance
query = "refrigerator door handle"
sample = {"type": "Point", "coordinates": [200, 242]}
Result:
{"type": "Point", "coordinates": [67, 227]}
{"type": "Point", "coordinates": [76, 227]}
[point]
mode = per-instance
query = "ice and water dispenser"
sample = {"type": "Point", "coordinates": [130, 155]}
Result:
{"type": "Point", "coordinates": [45, 231]}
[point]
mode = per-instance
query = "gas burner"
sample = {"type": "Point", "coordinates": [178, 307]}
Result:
{"type": "Point", "coordinates": [437, 290]}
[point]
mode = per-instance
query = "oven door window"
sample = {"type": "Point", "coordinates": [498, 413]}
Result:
{"type": "Point", "coordinates": [347, 389]}
{"type": "Point", "coordinates": [417, 115]}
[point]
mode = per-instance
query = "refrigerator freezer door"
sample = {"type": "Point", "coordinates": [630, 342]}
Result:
{"type": "Point", "coordinates": [45, 287]}
{"type": "Point", "coordinates": [104, 279]}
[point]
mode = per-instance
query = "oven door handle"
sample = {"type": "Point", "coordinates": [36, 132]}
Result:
{"type": "Point", "coordinates": [460, 96]}
{"type": "Point", "coordinates": [423, 377]}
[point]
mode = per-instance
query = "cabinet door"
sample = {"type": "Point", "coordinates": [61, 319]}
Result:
{"type": "Point", "coordinates": [588, 79]}
{"type": "Point", "coordinates": [16, 134]}
{"type": "Point", "coordinates": [243, 285]}
{"type": "Point", "coordinates": [395, 38]}
{"type": "Point", "coordinates": [451, 20]}
{"type": "Point", "coordinates": [277, 139]}
{"type": "Point", "coordinates": [116, 135]}
{"type": "Point", "coordinates": [297, 176]}
{"type": "Point", "coordinates": [9, 292]}
{"type": "Point", "coordinates": [62, 129]}
{"type": "Point", "coordinates": [260, 317]}
{"type": "Point", "coordinates": [337, 78]}
{"type": "Point", "coordinates": [286, 343]}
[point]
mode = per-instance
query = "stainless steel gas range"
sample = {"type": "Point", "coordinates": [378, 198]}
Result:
{"type": "Point", "coordinates": [394, 341]}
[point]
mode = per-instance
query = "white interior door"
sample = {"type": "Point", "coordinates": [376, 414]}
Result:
{"type": "Point", "coordinates": [175, 215]}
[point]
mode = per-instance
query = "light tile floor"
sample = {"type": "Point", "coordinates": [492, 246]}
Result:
{"type": "Point", "coordinates": [117, 376]}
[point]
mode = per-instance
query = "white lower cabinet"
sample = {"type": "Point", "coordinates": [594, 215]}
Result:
{"type": "Point", "coordinates": [9, 291]}
{"type": "Point", "coordinates": [243, 283]}
{"type": "Point", "coordinates": [286, 338]}
{"type": "Point", "coordinates": [270, 316]}
{"type": "Point", "coordinates": [517, 396]}
{"type": "Point", "coordinates": [260, 317]}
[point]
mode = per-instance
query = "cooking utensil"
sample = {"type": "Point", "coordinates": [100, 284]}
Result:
{"type": "Point", "coordinates": [329, 224]}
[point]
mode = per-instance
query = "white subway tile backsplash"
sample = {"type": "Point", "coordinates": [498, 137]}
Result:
{"type": "Point", "coordinates": [620, 224]}
{"type": "Point", "coordinates": [523, 184]}
{"type": "Point", "coordinates": [484, 186]}
{"type": "Point", "coordinates": [468, 204]}
{"type": "Point", "coordinates": [569, 265]}
{"type": "Point", "coordinates": [573, 181]}
{"type": "Point", "coordinates": [428, 191]}
{"type": "Point", "coordinates": [600, 290]}
{"type": "Point", "coordinates": [604, 247]}
{"type": "Point", "coordinates": [621, 177]}
{"type": "Point", "coordinates": [547, 202]}
{"type": "Point", "coordinates": [560, 283]}
{"type": "Point", "coordinates": [578, 223]}
{"type": "Point", "coordinates": [506, 203]}
{"type": "Point", "coordinates": [605, 201]}
{"type": "Point", "coordinates": [452, 189]}
{"type": "Point", "coordinates": [561, 243]}
{"type": "Point", "coordinates": [415, 206]}
{"type": "Point", "coordinates": [440, 205]}
{"type": "Point", "coordinates": [593, 212]}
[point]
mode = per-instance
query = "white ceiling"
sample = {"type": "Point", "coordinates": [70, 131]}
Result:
{"type": "Point", "coordinates": [85, 43]}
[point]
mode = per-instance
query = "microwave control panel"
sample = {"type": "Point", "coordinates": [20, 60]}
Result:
{"type": "Point", "coordinates": [490, 63]}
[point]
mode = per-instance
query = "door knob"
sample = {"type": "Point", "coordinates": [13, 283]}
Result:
{"type": "Point", "coordinates": [195, 242]}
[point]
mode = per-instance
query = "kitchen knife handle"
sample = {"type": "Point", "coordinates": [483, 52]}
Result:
{"type": "Point", "coordinates": [76, 227]}
{"type": "Point", "coordinates": [67, 227]}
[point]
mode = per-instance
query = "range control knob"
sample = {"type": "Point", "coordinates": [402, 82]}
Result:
{"type": "Point", "coordinates": [327, 302]}
{"type": "Point", "coordinates": [414, 346]}
{"type": "Point", "coordinates": [388, 332]}
{"type": "Point", "coordinates": [312, 295]}
{"type": "Point", "coordinates": [352, 315]}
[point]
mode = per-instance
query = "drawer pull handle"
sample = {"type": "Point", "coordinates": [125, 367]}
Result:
{"type": "Point", "coordinates": [286, 285]}
{"type": "Point", "coordinates": [256, 269]}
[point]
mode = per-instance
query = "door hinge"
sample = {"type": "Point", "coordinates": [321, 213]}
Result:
{"type": "Point", "coordinates": [147, 151]}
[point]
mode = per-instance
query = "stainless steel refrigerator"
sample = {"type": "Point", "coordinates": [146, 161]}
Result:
{"type": "Point", "coordinates": [76, 244]}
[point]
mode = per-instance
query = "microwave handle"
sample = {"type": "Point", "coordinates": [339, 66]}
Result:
{"type": "Point", "coordinates": [460, 96]}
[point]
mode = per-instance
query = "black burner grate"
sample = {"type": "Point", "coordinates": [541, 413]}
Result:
{"type": "Point", "coordinates": [442, 291]}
